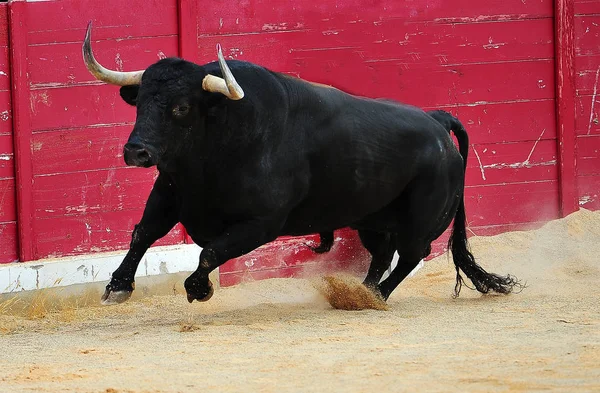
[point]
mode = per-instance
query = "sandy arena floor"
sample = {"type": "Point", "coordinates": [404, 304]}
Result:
{"type": "Point", "coordinates": [281, 335]}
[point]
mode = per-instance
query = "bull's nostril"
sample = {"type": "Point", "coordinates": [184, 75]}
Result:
{"type": "Point", "coordinates": [143, 155]}
{"type": "Point", "coordinates": [137, 155]}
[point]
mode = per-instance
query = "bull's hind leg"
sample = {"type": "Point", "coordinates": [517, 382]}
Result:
{"type": "Point", "coordinates": [413, 241]}
{"type": "Point", "coordinates": [382, 246]}
{"type": "Point", "coordinates": [424, 212]}
{"type": "Point", "coordinates": [409, 258]}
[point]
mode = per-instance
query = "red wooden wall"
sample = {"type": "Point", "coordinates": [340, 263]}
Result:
{"type": "Point", "coordinates": [82, 197]}
{"type": "Point", "coordinates": [587, 83]}
{"type": "Point", "coordinates": [8, 211]}
{"type": "Point", "coordinates": [493, 64]}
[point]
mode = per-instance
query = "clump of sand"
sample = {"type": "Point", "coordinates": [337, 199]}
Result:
{"type": "Point", "coordinates": [346, 292]}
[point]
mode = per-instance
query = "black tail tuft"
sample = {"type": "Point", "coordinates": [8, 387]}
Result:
{"type": "Point", "coordinates": [463, 259]}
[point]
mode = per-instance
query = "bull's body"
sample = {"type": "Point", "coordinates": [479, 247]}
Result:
{"type": "Point", "coordinates": [290, 158]}
{"type": "Point", "coordinates": [319, 160]}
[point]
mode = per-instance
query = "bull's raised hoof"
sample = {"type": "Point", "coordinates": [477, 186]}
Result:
{"type": "Point", "coordinates": [196, 292]}
{"type": "Point", "coordinates": [117, 292]}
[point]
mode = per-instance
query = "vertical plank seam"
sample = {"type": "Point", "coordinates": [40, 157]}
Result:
{"type": "Point", "coordinates": [186, 20]}
{"type": "Point", "coordinates": [21, 128]}
{"type": "Point", "coordinates": [565, 105]}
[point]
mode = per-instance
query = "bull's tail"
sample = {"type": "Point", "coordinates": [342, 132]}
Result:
{"type": "Point", "coordinates": [463, 259]}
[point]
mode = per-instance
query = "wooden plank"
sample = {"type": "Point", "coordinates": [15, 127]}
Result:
{"type": "Point", "coordinates": [78, 106]}
{"type": "Point", "coordinates": [111, 19]}
{"type": "Point", "coordinates": [187, 22]}
{"type": "Point", "coordinates": [80, 149]}
{"type": "Point", "coordinates": [588, 155]}
{"type": "Point", "coordinates": [587, 73]}
{"type": "Point", "coordinates": [587, 62]}
{"type": "Point", "coordinates": [276, 15]}
{"type": "Point", "coordinates": [583, 7]}
{"type": "Point", "coordinates": [422, 44]}
{"type": "Point", "coordinates": [587, 34]}
{"type": "Point", "coordinates": [506, 122]}
{"type": "Point", "coordinates": [21, 127]}
{"type": "Point", "coordinates": [510, 203]}
{"type": "Point", "coordinates": [340, 65]}
{"type": "Point", "coordinates": [7, 158]}
{"type": "Point", "coordinates": [62, 64]}
{"type": "Point", "coordinates": [283, 254]}
{"type": "Point", "coordinates": [565, 105]}
{"type": "Point", "coordinates": [79, 193]}
{"type": "Point", "coordinates": [95, 232]}
{"type": "Point", "coordinates": [493, 230]}
{"type": "Point", "coordinates": [401, 79]}
{"type": "Point", "coordinates": [8, 230]}
{"type": "Point", "coordinates": [8, 240]}
{"type": "Point", "coordinates": [504, 163]}
{"type": "Point", "coordinates": [463, 84]}
{"type": "Point", "coordinates": [589, 192]}
{"type": "Point", "coordinates": [8, 209]}
{"type": "Point", "coordinates": [187, 15]}
{"type": "Point", "coordinates": [587, 121]}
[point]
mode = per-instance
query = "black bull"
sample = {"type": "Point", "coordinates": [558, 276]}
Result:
{"type": "Point", "coordinates": [245, 155]}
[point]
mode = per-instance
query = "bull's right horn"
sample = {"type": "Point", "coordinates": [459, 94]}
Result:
{"type": "Point", "coordinates": [227, 85]}
{"type": "Point", "coordinates": [105, 75]}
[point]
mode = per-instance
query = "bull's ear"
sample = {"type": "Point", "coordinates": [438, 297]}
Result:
{"type": "Point", "coordinates": [129, 94]}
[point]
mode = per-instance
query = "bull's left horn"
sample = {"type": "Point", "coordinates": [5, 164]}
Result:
{"type": "Point", "coordinates": [105, 75]}
{"type": "Point", "coordinates": [227, 85]}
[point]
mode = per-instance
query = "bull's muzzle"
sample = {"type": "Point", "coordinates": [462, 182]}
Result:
{"type": "Point", "coordinates": [137, 155]}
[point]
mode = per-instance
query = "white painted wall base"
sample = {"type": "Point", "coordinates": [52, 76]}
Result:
{"type": "Point", "coordinates": [90, 268]}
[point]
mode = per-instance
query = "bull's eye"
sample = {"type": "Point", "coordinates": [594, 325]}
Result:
{"type": "Point", "coordinates": [181, 110]}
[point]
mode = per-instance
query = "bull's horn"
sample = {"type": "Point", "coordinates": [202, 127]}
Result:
{"type": "Point", "coordinates": [103, 74]}
{"type": "Point", "coordinates": [227, 85]}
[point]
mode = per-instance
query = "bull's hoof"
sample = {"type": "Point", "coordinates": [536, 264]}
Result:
{"type": "Point", "coordinates": [201, 296]}
{"type": "Point", "coordinates": [115, 296]}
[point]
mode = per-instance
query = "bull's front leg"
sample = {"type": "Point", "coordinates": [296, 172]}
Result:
{"type": "Point", "coordinates": [236, 241]}
{"type": "Point", "coordinates": [160, 216]}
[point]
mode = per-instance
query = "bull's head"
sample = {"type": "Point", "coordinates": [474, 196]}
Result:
{"type": "Point", "coordinates": [171, 97]}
